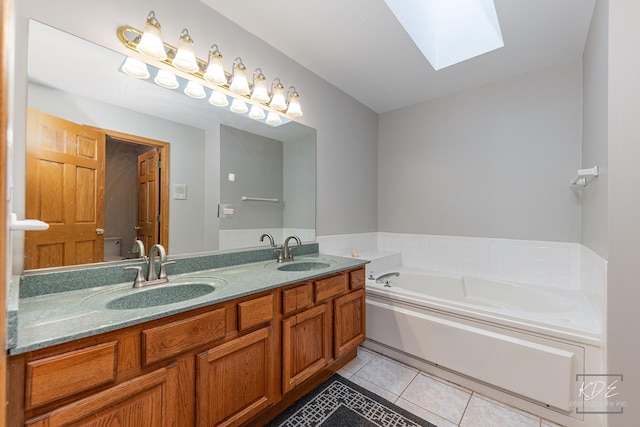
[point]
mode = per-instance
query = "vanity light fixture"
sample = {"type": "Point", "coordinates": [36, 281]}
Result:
{"type": "Point", "coordinates": [256, 113]}
{"type": "Point", "coordinates": [239, 83]}
{"type": "Point", "coordinates": [273, 118]}
{"type": "Point", "coordinates": [185, 58]}
{"type": "Point", "coordinates": [181, 62]}
{"type": "Point", "coordinates": [259, 92]}
{"type": "Point", "coordinates": [239, 106]}
{"type": "Point", "coordinates": [150, 43]}
{"type": "Point", "coordinates": [135, 68]}
{"type": "Point", "coordinates": [293, 108]}
{"type": "Point", "coordinates": [215, 71]}
{"type": "Point", "coordinates": [278, 101]}
{"type": "Point", "coordinates": [195, 90]}
{"type": "Point", "coordinates": [166, 79]}
{"type": "Point", "coordinates": [218, 99]}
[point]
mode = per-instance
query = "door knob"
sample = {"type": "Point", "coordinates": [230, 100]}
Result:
{"type": "Point", "coordinates": [99, 231]}
{"type": "Point", "coordinates": [137, 228]}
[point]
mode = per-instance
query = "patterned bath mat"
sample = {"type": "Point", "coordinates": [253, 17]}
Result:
{"type": "Point", "coordinates": [340, 403]}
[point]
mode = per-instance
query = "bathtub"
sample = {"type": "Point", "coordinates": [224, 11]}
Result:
{"type": "Point", "coordinates": [527, 341]}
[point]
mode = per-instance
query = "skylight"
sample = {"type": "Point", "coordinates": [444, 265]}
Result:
{"type": "Point", "coordinates": [449, 31]}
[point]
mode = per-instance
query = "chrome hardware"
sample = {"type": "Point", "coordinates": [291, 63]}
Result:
{"type": "Point", "coordinates": [384, 279]}
{"type": "Point", "coordinates": [99, 231]}
{"type": "Point", "coordinates": [139, 280]}
{"type": "Point", "coordinates": [285, 252]}
{"type": "Point", "coordinates": [152, 278]}
{"type": "Point", "coordinates": [270, 237]}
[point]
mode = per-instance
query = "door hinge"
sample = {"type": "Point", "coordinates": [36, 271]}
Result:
{"type": "Point", "coordinates": [159, 164]}
{"type": "Point", "coordinates": [157, 218]}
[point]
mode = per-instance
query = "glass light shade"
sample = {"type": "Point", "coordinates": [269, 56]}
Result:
{"type": "Point", "coordinates": [239, 83]}
{"type": "Point", "coordinates": [273, 118]}
{"type": "Point", "coordinates": [278, 101]}
{"type": "Point", "coordinates": [195, 90]}
{"type": "Point", "coordinates": [151, 41]}
{"type": "Point", "coordinates": [166, 79]}
{"type": "Point", "coordinates": [259, 93]}
{"type": "Point", "coordinates": [135, 68]}
{"type": "Point", "coordinates": [256, 113]}
{"type": "Point", "coordinates": [294, 109]}
{"type": "Point", "coordinates": [185, 58]}
{"type": "Point", "coordinates": [218, 99]}
{"type": "Point", "coordinates": [239, 106]}
{"type": "Point", "coordinates": [215, 71]}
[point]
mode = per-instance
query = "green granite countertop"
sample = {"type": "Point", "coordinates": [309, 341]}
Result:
{"type": "Point", "coordinates": [51, 319]}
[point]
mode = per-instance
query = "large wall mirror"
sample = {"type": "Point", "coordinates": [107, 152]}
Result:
{"type": "Point", "coordinates": [224, 178]}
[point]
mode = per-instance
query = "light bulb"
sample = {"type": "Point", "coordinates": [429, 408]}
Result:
{"type": "Point", "coordinates": [166, 79]}
{"type": "Point", "coordinates": [273, 118]}
{"type": "Point", "coordinates": [151, 41]}
{"type": "Point", "coordinates": [215, 71]}
{"type": "Point", "coordinates": [256, 113]}
{"type": "Point", "coordinates": [259, 93]}
{"type": "Point", "coordinates": [294, 109]}
{"type": "Point", "coordinates": [218, 99]}
{"type": "Point", "coordinates": [185, 59]}
{"type": "Point", "coordinates": [239, 83]}
{"type": "Point", "coordinates": [278, 101]}
{"type": "Point", "coordinates": [195, 90]}
{"type": "Point", "coordinates": [239, 106]}
{"type": "Point", "coordinates": [135, 68]}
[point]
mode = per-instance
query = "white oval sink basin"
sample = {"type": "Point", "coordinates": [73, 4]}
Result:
{"type": "Point", "coordinates": [304, 266]}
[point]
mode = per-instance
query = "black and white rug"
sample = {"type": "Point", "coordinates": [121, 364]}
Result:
{"type": "Point", "coordinates": [340, 403]}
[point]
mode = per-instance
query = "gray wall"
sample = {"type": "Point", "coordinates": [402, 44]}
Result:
{"type": "Point", "coordinates": [299, 187]}
{"type": "Point", "coordinates": [594, 130]}
{"type": "Point", "coordinates": [346, 130]}
{"type": "Point", "coordinates": [257, 163]}
{"type": "Point", "coordinates": [623, 289]}
{"type": "Point", "coordinates": [493, 161]}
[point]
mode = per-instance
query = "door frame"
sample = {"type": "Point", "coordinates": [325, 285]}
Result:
{"type": "Point", "coordinates": [163, 149]}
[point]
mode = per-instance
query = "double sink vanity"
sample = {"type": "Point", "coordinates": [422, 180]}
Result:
{"type": "Point", "coordinates": [221, 346]}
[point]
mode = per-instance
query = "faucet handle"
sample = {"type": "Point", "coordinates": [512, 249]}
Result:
{"type": "Point", "coordinates": [163, 273]}
{"type": "Point", "coordinates": [372, 275]}
{"type": "Point", "coordinates": [139, 280]}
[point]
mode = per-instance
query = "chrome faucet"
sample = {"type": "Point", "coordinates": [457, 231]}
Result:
{"type": "Point", "coordinates": [152, 278]}
{"type": "Point", "coordinates": [270, 237]}
{"type": "Point", "coordinates": [385, 278]}
{"type": "Point", "coordinates": [285, 252]}
{"type": "Point", "coordinates": [138, 248]}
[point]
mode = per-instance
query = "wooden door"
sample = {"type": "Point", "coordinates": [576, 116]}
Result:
{"type": "Point", "coordinates": [149, 198]}
{"type": "Point", "coordinates": [305, 342]}
{"type": "Point", "coordinates": [147, 401]}
{"type": "Point", "coordinates": [349, 321]}
{"type": "Point", "coordinates": [235, 381]}
{"type": "Point", "coordinates": [65, 188]}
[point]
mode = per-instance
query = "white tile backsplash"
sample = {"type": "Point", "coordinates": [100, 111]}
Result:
{"type": "Point", "coordinates": [561, 265]}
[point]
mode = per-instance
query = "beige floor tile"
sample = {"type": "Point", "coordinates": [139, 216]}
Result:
{"type": "Point", "coordinates": [388, 374]}
{"type": "Point", "coordinates": [373, 388]}
{"type": "Point", "coordinates": [435, 396]}
{"type": "Point", "coordinates": [346, 374]}
{"type": "Point", "coordinates": [424, 414]}
{"type": "Point", "coordinates": [484, 413]}
{"type": "Point", "coordinates": [363, 357]}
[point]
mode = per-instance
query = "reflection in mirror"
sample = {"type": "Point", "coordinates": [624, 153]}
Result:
{"type": "Point", "coordinates": [89, 89]}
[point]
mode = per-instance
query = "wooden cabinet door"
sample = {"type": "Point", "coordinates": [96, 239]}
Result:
{"type": "Point", "coordinates": [305, 345]}
{"type": "Point", "coordinates": [349, 322]}
{"type": "Point", "coordinates": [235, 380]}
{"type": "Point", "coordinates": [149, 198]}
{"type": "Point", "coordinates": [146, 401]}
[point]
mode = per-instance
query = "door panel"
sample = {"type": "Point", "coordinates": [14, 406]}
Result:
{"type": "Point", "coordinates": [148, 198]}
{"type": "Point", "coordinates": [65, 188]}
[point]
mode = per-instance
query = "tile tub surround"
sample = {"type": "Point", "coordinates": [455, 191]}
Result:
{"type": "Point", "coordinates": [554, 264]}
{"type": "Point", "coordinates": [47, 281]}
{"type": "Point", "coordinates": [61, 317]}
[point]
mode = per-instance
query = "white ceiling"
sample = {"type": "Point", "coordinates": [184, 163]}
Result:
{"type": "Point", "coordinates": [359, 46]}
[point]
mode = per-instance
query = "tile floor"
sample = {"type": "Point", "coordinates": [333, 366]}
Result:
{"type": "Point", "coordinates": [433, 399]}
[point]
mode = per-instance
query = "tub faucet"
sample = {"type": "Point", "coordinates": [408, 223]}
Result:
{"type": "Point", "coordinates": [285, 253]}
{"type": "Point", "coordinates": [385, 278]}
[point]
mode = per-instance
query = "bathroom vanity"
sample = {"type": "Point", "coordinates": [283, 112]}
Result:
{"type": "Point", "coordinates": [242, 353]}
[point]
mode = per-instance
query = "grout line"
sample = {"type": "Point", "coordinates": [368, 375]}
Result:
{"type": "Point", "coordinates": [466, 407]}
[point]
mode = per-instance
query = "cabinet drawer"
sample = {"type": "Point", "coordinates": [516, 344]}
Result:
{"type": "Point", "coordinates": [69, 373]}
{"type": "Point", "coordinates": [330, 287]}
{"type": "Point", "coordinates": [255, 312]}
{"type": "Point", "coordinates": [297, 298]}
{"type": "Point", "coordinates": [357, 279]}
{"type": "Point", "coordinates": [174, 338]}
